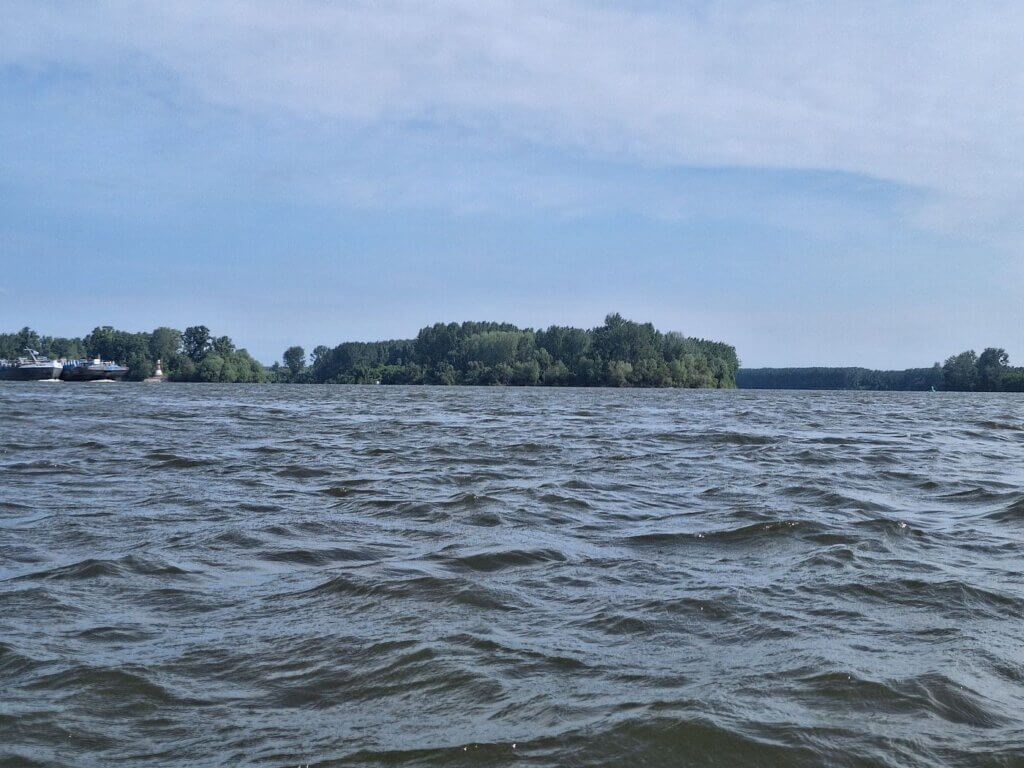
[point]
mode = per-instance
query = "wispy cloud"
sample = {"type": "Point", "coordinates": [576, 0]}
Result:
{"type": "Point", "coordinates": [924, 95]}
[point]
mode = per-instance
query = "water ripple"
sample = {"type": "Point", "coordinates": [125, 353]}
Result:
{"type": "Point", "coordinates": [368, 576]}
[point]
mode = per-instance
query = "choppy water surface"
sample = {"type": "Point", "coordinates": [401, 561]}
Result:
{"type": "Point", "coordinates": [231, 575]}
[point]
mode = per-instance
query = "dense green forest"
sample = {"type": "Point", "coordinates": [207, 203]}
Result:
{"type": "Point", "coordinates": [620, 353]}
{"type": "Point", "coordinates": [190, 355]}
{"type": "Point", "coordinates": [967, 372]}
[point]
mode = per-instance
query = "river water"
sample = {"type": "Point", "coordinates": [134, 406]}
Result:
{"type": "Point", "coordinates": [229, 575]}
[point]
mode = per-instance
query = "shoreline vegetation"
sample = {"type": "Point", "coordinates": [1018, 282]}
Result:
{"type": "Point", "coordinates": [967, 372]}
{"type": "Point", "coordinates": [619, 353]}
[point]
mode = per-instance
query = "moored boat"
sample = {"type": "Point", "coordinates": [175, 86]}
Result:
{"type": "Point", "coordinates": [35, 367]}
{"type": "Point", "coordinates": [93, 370]}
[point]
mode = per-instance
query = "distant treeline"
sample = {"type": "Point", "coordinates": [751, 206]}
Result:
{"type": "Point", "coordinates": [620, 353]}
{"type": "Point", "coordinates": [967, 372]}
{"type": "Point", "coordinates": [190, 355]}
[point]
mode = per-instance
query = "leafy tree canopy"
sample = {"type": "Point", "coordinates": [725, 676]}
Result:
{"type": "Point", "coordinates": [618, 353]}
{"type": "Point", "coordinates": [966, 372]}
{"type": "Point", "coordinates": [190, 356]}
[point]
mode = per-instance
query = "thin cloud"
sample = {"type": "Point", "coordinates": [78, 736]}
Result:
{"type": "Point", "coordinates": [924, 95]}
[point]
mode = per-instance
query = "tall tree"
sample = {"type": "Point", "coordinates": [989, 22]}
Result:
{"type": "Point", "coordinates": [295, 359]}
{"type": "Point", "coordinates": [223, 346]}
{"type": "Point", "coordinates": [992, 366]}
{"type": "Point", "coordinates": [196, 342]}
{"type": "Point", "coordinates": [960, 372]}
{"type": "Point", "coordinates": [164, 343]}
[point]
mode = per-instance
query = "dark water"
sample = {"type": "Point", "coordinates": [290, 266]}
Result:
{"type": "Point", "coordinates": [234, 576]}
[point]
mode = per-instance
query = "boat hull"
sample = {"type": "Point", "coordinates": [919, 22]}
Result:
{"type": "Point", "coordinates": [30, 372]}
{"type": "Point", "coordinates": [93, 373]}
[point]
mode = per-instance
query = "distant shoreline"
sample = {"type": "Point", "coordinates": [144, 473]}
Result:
{"type": "Point", "coordinates": [619, 353]}
{"type": "Point", "coordinates": [966, 372]}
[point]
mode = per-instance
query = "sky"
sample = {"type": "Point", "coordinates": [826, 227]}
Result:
{"type": "Point", "coordinates": [816, 183]}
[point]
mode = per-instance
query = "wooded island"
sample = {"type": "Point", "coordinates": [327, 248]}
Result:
{"type": "Point", "coordinates": [619, 353]}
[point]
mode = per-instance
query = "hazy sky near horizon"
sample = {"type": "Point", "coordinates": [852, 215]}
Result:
{"type": "Point", "coordinates": [816, 183]}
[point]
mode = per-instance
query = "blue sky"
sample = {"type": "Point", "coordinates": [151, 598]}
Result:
{"type": "Point", "coordinates": [815, 183]}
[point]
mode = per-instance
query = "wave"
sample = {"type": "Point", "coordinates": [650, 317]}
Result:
{"type": "Point", "coordinates": [950, 597]}
{"type": "Point", "coordinates": [561, 500]}
{"type": "Point", "coordinates": [42, 467]}
{"type": "Point", "coordinates": [1011, 513]}
{"type": "Point", "coordinates": [427, 589]}
{"type": "Point", "coordinates": [14, 664]}
{"type": "Point", "coordinates": [1010, 426]}
{"type": "Point", "coordinates": [977, 494]}
{"type": "Point", "coordinates": [703, 437]}
{"type": "Point", "coordinates": [247, 506]}
{"type": "Point", "coordinates": [501, 559]}
{"type": "Point", "coordinates": [302, 472]}
{"type": "Point", "coordinates": [344, 488]}
{"type": "Point", "coordinates": [317, 557]}
{"type": "Point", "coordinates": [122, 689]}
{"type": "Point", "coordinates": [535, 661]}
{"type": "Point", "coordinates": [116, 635]}
{"type": "Point", "coordinates": [469, 501]}
{"type": "Point", "coordinates": [168, 460]}
{"type": "Point", "coordinates": [92, 568]}
{"type": "Point", "coordinates": [827, 498]}
{"type": "Point", "coordinates": [747, 534]}
{"type": "Point", "coordinates": [239, 538]}
{"type": "Point", "coordinates": [928, 694]}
